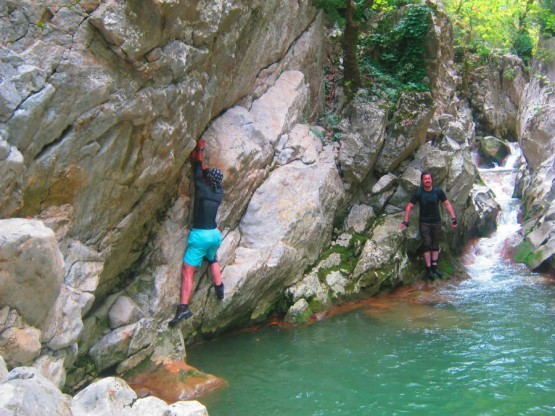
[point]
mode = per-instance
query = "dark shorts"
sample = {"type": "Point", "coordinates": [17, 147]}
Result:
{"type": "Point", "coordinates": [430, 234]}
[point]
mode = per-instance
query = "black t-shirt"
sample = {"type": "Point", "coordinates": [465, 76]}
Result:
{"type": "Point", "coordinates": [207, 201]}
{"type": "Point", "coordinates": [429, 204]}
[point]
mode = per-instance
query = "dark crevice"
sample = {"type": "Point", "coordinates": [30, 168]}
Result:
{"type": "Point", "coordinates": [52, 144]}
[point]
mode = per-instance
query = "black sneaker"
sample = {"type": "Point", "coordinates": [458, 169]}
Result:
{"type": "Point", "coordinates": [181, 314]}
{"type": "Point", "coordinates": [219, 290]}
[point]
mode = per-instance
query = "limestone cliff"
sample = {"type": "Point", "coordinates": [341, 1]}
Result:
{"type": "Point", "coordinates": [536, 128]}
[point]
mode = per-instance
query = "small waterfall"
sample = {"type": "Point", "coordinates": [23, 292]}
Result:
{"type": "Point", "coordinates": [488, 261]}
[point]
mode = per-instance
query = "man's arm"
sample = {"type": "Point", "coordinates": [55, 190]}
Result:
{"type": "Point", "coordinates": [197, 160]}
{"type": "Point", "coordinates": [451, 212]}
{"type": "Point", "coordinates": [405, 223]}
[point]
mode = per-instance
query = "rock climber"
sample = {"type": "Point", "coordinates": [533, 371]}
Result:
{"type": "Point", "coordinates": [204, 238]}
{"type": "Point", "coordinates": [428, 197]}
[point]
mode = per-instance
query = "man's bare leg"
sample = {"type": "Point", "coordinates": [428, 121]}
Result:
{"type": "Point", "coordinates": [187, 274]}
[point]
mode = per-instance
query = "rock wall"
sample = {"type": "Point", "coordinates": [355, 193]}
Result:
{"type": "Point", "coordinates": [495, 93]}
{"type": "Point", "coordinates": [100, 105]}
{"type": "Point", "coordinates": [536, 129]}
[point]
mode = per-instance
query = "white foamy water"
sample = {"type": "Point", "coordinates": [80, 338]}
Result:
{"type": "Point", "coordinates": [489, 268]}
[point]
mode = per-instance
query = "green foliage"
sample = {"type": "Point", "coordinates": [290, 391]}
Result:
{"type": "Point", "coordinates": [484, 27]}
{"type": "Point", "coordinates": [546, 17]}
{"type": "Point", "coordinates": [524, 45]}
{"type": "Point", "coordinates": [334, 9]}
{"type": "Point", "coordinates": [393, 52]}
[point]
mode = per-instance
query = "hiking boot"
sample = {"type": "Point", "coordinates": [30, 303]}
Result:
{"type": "Point", "coordinates": [219, 291]}
{"type": "Point", "coordinates": [436, 272]}
{"type": "Point", "coordinates": [181, 314]}
{"type": "Point", "coordinates": [429, 275]}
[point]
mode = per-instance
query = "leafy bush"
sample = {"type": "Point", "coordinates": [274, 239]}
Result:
{"type": "Point", "coordinates": [393, 52]}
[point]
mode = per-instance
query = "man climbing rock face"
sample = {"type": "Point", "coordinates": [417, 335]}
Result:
{"type": "Point", "coordinates": [204, 238]}
{"type": "Point", "coordinates": [429, 197]}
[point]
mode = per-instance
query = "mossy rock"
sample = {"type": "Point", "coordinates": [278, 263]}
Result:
{"type": "Point", "coordinates": [525, 253]}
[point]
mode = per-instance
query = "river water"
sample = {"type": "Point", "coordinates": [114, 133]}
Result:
{"type": "Point", "coordinates": [482, 346]}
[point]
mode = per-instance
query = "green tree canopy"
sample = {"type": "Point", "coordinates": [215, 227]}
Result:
{"type": "Point", "coordinates": [486, 26]}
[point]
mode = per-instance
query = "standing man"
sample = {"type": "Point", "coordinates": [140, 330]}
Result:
{"type": "Point", "coordinates": [204, 238]}
{"type": "Point", "coordinates": [429, 197]}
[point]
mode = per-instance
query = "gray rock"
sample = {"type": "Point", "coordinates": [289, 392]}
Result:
{"type": "Point", "coordinates": [83, 267]}
{"type": "Point", "coordinates": [32, 268]}
{"type": "Point", "coordinates": [187, 408]}
{"type": "Point", "coordinates": [410, 125]}
{"type": "Point", "coordinates": [432, 160]}
{"type": "Point", "coordinates": [308, 288]}
{"type": "Point", "coordinates": [123, 312]}
{"type": "Point", "coordinates": [359, 217]}
{"type": "Point", "coordinates": [282, 106]}
{"type": "Point", "coordinates": [25, 392]}
{"type": "Point", "coordinates": [493, 150]}
{"type": "Point", "coordinates": [300, 144]}
{"type": "Point", "coordinates": [383, 259]}
{"type": "Point", "coordinates": [20, 346]}
{"type": "Point", "coordinates": [52, 366]}
{"type": "Point", "coordinates": [112, 347]}
{"type": "Point", "coordinates": [536, 136]}
{"type": "Point", "coordinates": [337, 282]}
{"type": "Point", "coordinates": [299, 312]}
{"type": "Point", "coordinates": [495, 94]}
{"type": "Point", "coordinates": [12, 170]}
{"type": "Point", "coordinates": [362, 144]}
{"type": "Point", "coordinates": [3, 369]}
{"type": "Point", "coordinates": [112, 396]}
{"type": "Point", "coordinates": [63, 325]}
{"type": "Point", "coordinates": [108, 396]}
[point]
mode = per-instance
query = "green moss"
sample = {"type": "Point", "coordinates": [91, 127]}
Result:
{"type": "Point", "coordinates": [304, 317]}
{"type": "Point", "coordinates": [144, 366]}
{"type": "Point", "coordinates": [525, 254]}
{"type": "Point", "coordinates": [315, 305]}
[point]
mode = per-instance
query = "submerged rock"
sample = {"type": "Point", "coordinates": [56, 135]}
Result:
{"type": "Point", "coordinates": [173, 381]}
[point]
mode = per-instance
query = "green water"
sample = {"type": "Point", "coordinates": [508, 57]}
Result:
{"type": "Point", "coordinates": [485, 346]}
{"type": "Point", "coordinates": [485, 353]}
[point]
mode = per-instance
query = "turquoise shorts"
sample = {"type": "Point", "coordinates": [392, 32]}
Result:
{"type": "Point", "coordinates": [201, 244]}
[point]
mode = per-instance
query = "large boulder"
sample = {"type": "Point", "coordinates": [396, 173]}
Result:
{"type": "Point", "coordinates": [287, 223]}
{"type": "Point", "coordinates": [383, 261]}
{"type": "Point", "coordinates": [493, 150]}
{"type": "Point", "coordinates": [20, 346]}
{"type": "Point", "coordinates": [408, 131]}
{"type": "Point", "coordinates": [31, 268]}
{"type": "Point", "coordinates": [362, 140]}
{"type": "Point", "coordinates": [112, 396]}
{"type": "Point", "coordinates": [25, 392]}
